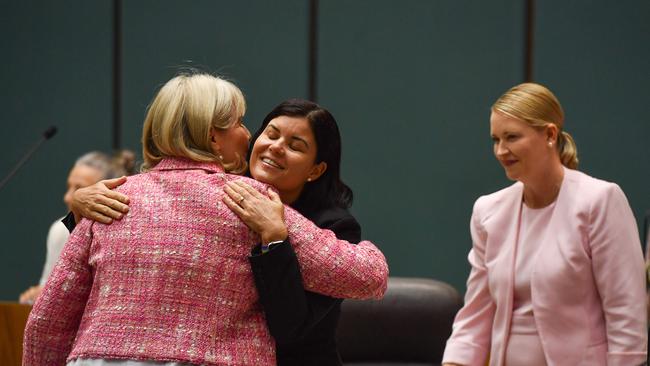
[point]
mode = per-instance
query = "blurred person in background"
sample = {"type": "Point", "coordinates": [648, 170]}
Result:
{"type": "Point", "coordinates": [88, 169]}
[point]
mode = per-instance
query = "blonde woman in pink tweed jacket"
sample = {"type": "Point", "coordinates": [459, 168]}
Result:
{"type": "Point", "coordinates": [171, 282]}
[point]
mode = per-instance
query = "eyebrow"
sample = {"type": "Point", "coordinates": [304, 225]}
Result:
{"type": "Point", "coordinates": [292, 137]}
{"type": "Point", "coordinates": [502, 133]}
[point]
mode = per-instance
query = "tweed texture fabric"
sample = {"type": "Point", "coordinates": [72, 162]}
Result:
{"type": "Point", "coordinates": [171, 280]}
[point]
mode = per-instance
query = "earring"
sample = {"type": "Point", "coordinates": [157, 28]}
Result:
{"type": "Point", "coordinates": [308, 179]}
{"type": "Point", "coordinates": [550, 143]}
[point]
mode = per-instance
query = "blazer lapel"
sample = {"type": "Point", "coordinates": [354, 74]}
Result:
{"type": "Point", "coordinates": [504, 245]}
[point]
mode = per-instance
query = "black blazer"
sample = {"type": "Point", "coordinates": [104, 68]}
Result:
{"type": "Point", "coordinates": [303, 323]}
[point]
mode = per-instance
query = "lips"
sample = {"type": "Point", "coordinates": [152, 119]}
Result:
{"type": "Point", "coordinates": [509, 162]}
{"type": "Point", "coordinates": [270, 162]}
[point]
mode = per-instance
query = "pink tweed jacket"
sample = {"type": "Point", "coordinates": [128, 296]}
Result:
{"type": "Point", "coordinates": [171, 280]}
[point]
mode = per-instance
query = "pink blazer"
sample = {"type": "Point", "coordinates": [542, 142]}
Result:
{"type": "Point", "coordinates": [588, 285]}
{"type": "Point", "coordinates": [171, 281]}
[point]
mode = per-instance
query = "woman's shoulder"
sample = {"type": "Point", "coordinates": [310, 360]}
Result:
{"type": "Point", "coordinates": [340, 221]}
{"type": "Point", "coordinates": [332, 214]}
{"type": "Point", "coordinates": [589, 188]}
{"type": "Point", "coordinates": [495, 199]}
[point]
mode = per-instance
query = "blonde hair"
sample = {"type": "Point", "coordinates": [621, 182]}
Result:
{"type": "Point", "coordinates": [538, 106]}
{"type": "Point", "coordinates": [180, 117]}
{"type": "Point", "coordinates": [121, 163]}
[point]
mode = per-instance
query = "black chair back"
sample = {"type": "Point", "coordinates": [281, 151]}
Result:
{"type": "Point", "coordinates": [409, 326]}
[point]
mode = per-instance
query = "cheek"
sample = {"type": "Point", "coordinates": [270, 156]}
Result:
{"type": "Point", "coordinates": [255, 152]}
{"type": "Point", "coordinates": [301, 166]}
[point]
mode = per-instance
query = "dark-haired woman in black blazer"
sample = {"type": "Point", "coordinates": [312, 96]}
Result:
{"type": "Point", "coordinates": [297, 150]}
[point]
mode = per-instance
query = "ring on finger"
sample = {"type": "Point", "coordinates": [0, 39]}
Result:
{"type": "Point", "coordinates": [240, 200]}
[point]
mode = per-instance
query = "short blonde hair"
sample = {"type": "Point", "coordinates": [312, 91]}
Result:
{"type": "Point", "coordinates": [538, 106]}
{"type": "Point", "coordinates": [180, 117]}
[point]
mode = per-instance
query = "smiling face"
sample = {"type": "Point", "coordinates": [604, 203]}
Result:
{"type": "Point", "coordinates": [523, 151]}
{"type": "Point", "coordinates": [284, 156]}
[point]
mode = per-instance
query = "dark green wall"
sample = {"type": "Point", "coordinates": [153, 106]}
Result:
{"type": "Point", "coordinates": [56, 70]}
{"type": "Point", "coordinates": [411, 86]}
{"type": "Point", "coordinates": [260, 45]}
{"type": "Point", "coordinates": [410, 82]}
{"type": "Point", "coordinates": [597, 59]}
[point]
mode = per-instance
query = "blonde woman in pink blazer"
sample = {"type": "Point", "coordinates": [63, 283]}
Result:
{"type": "Point", "coordinates": [557, 269]}
{"type": "Point", "coordinates": [170, 283]}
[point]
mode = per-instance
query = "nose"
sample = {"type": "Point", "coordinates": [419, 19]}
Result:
{"type": "Point", "coordinates": [276, 147]}
{"type": "Point", "coordinates": [67, 198]}
{"type": "Point", "coordinates": [500, 149]}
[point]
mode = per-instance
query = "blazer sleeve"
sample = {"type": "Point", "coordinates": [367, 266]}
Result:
{"type": "Point", "coordinates": [335, 267]}
{"type": "Point", "coordinates": [469, 343]}
{"type": "Point", "coordinates": [618, 268]}
{"type": "Point", "coordinates": [291, 312]}
{"type": "Point", "coordinates": [53, 322]}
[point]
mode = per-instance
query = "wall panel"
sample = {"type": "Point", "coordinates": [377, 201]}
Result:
{"type": "Point", "coordinates": [56, 71]}
{"type": "Point", "coordinates": [260, 45]}
{"type": "Point", "coordinates": [411, 83]}
{"type": "Point", "coordinates": [597, 60]}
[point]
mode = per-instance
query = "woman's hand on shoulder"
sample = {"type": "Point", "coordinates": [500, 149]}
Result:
{"type": "Point", "coordinates": [99, 203]}
{"type": "Point", "coordinates": [262, 214]}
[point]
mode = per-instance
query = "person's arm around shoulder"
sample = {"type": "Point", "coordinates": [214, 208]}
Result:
{"type": "Point", "coordinates": [470, 340]}
{"type": "Point", "coordinates": [336, 267]}
{"type": "Point", "coordinates": [619, 272]}
{"type": "Point", "coordinates": [291, 312]}
{"type": "Point", "coordinates": [328, 265]}
{"type": "Point", "coordinates": [55, 317]}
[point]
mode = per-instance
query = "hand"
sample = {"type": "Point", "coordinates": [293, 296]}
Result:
{"type": "Point", "coordinates": [99, 203]}
{"type": "Point", "coordinates": [264, 215]}
{"type": "Point", "coordinates": [30, 295]}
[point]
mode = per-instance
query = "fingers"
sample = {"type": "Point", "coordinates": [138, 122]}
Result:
{"type": "Point", "coordinates": [113, 183]}
{"type": "Point", "coordinates": [274, 196]}
{"type": "Point", "coordinates": [233, 193]}
{"type": "Point", "coordinates": [105, 187]}
{"type": "Point", "coordinates": [115, 201]}
{"type": "Point", "coordinates": [241, 191]}
{"type": "Point", "coordinates": [248, 188]}
{"type": "Point", "coordinates": [106, 207]}
{"type": "Point", "coordinates": [98, 216]}
{"type": "Point", "coordinates": [246, 191]}
{"type": "Point", "coordinates": [118, 197]}
{"type": "Point", "coordinates": [233, 206]}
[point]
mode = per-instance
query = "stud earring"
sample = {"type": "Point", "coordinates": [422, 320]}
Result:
{"type": "Point", "coordinates": [550, 143]}
{"type": "Point", "coordinates": [308, 179]}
